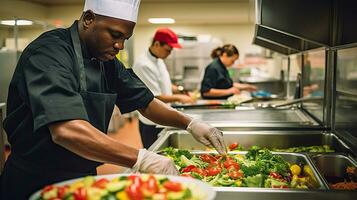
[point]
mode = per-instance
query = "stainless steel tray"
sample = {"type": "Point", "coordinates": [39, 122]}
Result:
{"type": "Point", "coordinates": [270, 139]}
{"type": "Point", "coordinates": [333, 166]}
{"type": "Point", "coordinates": [287, 118]}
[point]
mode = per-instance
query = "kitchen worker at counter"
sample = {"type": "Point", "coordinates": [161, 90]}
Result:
{"type": "Point", "coordinates": [151, 69]}
{"type": "Point", "coordinates": [216, 83]}
{"type": "Point", "coordinates": [61, 98]}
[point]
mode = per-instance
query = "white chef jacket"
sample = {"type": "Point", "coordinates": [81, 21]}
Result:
{"type": "Point", "coordinates": [153, 72]}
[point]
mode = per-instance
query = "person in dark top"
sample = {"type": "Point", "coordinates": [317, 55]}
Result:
{"type": "Point", "coordinates": [61, 98]}
{"type": "Point", "coordinates": [216, 83]}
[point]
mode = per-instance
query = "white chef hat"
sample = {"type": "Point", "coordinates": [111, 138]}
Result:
{"type": "Point", "coordinates": [121, 9]}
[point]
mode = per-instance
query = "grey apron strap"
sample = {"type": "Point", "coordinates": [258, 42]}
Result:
{"type": "Point", "coordinates": [78, 50]}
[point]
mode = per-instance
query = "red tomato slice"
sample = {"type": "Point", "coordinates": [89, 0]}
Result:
{"type": "Point", "coordinates": [207, 158]}
{"type": "Point", "coordinates": [188, 168]}
{"type": "Point", "coordinates": [134, 192]}
{"type": "Point", "coordinates": [151, 184]}
{"type": "Point", "coordinates": [199, 171]}
{"type": "Point", "coordinates": [214, 171]}
{"type": "Point", "coordinates": [80, 194]}
{"type": "Point", "coordinates": [275, 175]}
{"type": "Point", "coordinates": [173, 186]}
{"type": "Point", "coordinates": [229, 163]}
{"type": "Point", "coordinates": [233, 146]}
{"type": "Point", "coordinates": [101, 183]}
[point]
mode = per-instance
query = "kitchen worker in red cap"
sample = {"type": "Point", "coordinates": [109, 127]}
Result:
{"type": "Point", "coordinates": [151, 69]}
{"type": "Point", "coordinates": [61, 98]}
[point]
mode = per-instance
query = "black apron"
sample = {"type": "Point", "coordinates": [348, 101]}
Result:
{"type": "Point", "coordinates": [21, 178]}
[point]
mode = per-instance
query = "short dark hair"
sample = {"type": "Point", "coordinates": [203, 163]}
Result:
{"type": "Point", "coordinates": [229, 49]}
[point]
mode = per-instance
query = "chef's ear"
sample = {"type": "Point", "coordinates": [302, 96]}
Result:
{"type": "Point", "coordinates": [88, 18]}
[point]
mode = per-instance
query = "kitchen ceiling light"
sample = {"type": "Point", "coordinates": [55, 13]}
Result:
{"type": "Point", "coordinates": [161, 20]}
{"type": "Point", "coordinates": [19, 22]}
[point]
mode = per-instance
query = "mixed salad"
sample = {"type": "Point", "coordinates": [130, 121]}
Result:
{"type": "Point", "coordinates": [133, 187]}
{"type": "Point", "coordinates": [257, 168]}
{"type": "Point", "coordinates": [311, 149]}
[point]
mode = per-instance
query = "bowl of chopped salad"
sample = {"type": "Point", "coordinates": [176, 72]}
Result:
{"type": "Point", "coordinates": [127, 187]}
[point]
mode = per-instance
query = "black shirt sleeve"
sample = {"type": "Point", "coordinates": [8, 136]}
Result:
{"type": "Point", "coordinates": [209, 79]}
{"type": "Point", "coordinates": [132, 92]}
{"type": "Point", "coordinates": [52, 87]}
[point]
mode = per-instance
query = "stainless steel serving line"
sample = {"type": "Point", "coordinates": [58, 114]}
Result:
{"type": "Point", "coordinates": [320, 163]}
{"type": "Point", "coordinates": [254, 118]}
{"type": "Point", "coordinates": [270, 139]}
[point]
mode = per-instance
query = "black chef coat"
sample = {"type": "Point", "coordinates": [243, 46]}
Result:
{"type": "Point", "coordinates": [45, 88]}
{"type": "Point", "coordinates": [216, 77]}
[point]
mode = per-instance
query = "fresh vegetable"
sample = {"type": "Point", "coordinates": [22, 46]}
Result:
{"type": "Point", "coordinates": [133, 187]}
{"type": "Point", "coordinates": [257, 168]}
{"type": "Point", "coordinates": [312, 149]}
{"type": "Point", "coordinates": [295, 169]}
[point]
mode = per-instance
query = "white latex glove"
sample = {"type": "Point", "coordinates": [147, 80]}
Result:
{"type": "Point", "coordinates": [207, 135]}
{"type": "Point", "coordinates": [150, 162]}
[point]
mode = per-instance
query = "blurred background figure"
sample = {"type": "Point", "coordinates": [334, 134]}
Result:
{"type": "Point", "coordinates": [216, 83]}
{"type": "Point", "coordinates": [151, 69]}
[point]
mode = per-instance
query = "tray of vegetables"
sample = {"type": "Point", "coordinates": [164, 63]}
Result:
{"type": "Point", "coordinates": [257, 167]}
{"type": "Point", "coordinates": [298, 149]}
{"type": "Point", "coordinates": [127, 187]}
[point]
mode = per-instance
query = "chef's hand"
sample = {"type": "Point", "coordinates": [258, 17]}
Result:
{"type": "Point", "coordinates": [150, 162]}
{"type": "Point", "coordinates": [233, 90]}
{"type": "Point", "coordinates": [182, 98]}
{"type": "Point", "coordinates": [207, 135]}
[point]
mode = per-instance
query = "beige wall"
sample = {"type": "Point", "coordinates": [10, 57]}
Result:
{"type": "Point", "coordinates": [239, 35]}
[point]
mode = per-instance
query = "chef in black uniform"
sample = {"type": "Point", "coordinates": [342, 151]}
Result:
{"type": "Point", "coordinates": [216, 83]}
{"type": "Point", "coordinates": [61, 98]}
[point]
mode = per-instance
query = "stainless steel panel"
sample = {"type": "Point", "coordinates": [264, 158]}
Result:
{"type": "Point", "coordinates": [253, 118]}
{"type": "Point", "coordinates": [269, 139]}
{"type": "Point", "coordinates": [333, 166]}
{"type": "Point", "coordinates": [279, 194]}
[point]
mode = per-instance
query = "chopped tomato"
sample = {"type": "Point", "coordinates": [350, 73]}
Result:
{"type": "Point", "coordinates": [199, 171]}
{"type": "Point", "coordinates": [235, 175]}
{"type": "Point", "coordinates": [173, 186]}
{"type": "Point", "coordinates": [275, 175]}
{"type": "Point", "coordinates": [136, 180]}
{"type": "Point", "coordinates": [80, 194]}
{"type": "Point", "coordinates": [214, 171]}
{"type": "Point", "coordinates": [229, 163]}
{"type": "Point", "coordinates": [233, 146]}
{"type": "Point", "coordinates": [215, 164]}
{"type": "Point", "coordinates": [101, 183]}
{"type": "Point", "coordinates": [207, 158]}
{"type": "Point", "coordinates": [188, 168]}
{"type": "Point", "coordinates": [62, 191]}
{"type": "Point", "coordinates": [134, 193]}
{"type": "Point", "coordinates": [151, 184]}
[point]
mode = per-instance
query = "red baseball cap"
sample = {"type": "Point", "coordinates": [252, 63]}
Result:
{"type": "Point", "coordinates": [168, 36]}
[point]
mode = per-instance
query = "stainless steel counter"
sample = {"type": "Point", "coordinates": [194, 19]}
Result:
{"type": "Point", "coordinates": [254, 118]}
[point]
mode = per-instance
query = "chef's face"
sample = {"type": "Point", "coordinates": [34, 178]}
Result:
{"type": "Point", "coordinates": [228, 60]}
{"type": "Point", "coordinates": [105, 36]}
{"type": "Point", "coordinates": [161, 49]}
